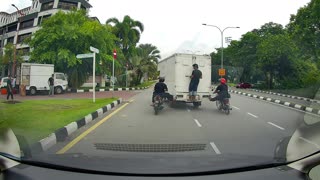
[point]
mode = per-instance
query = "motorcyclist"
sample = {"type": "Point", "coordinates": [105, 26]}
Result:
{"type": "Point", "coordinates": [161, 89]}
{"type": "Point", "coordinates": [221, 90]}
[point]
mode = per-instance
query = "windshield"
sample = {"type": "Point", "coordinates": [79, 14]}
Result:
{"type": "Point", "coordinates": [166, 86]}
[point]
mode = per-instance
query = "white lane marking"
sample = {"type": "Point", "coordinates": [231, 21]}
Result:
{"type": "Point", "coordinates": [310, 142]}
{"type": "Point", "coordinates": [276, 125]}
{"type": "Point", "coordinates": [252, 115]}
{"type": "Point", "coordinates": [197, 122]}
{"type": "Point", "coordinates": [236, 107]}
{"type": "Point", "coordinates": [215, 148]}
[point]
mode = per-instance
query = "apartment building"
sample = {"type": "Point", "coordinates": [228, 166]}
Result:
{"type": "Point", "coordinates": [19, 25]}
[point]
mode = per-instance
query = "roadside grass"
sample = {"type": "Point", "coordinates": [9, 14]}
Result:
{"type": "Point", "coordinates": [308, 92]}
{"type": "Point", "coordinates": [232, 84]}
{"type": "Point", "coordinates": [146, 84]}
{"type": "Point", "coordinates": [36, 119]}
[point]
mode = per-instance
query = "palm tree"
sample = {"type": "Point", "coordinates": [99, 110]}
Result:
{"type": "Point", "coordinates": [145, 62]}
{"type": "Point", "coordinates": [128, 31]}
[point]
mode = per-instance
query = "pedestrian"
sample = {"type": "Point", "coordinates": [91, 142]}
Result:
{"type": "Point", "coordinates": [9, 88]}
{"type": "Point", "coordinates": [51, 85]}
{"type": "Point", "coordinates": [195, 79]}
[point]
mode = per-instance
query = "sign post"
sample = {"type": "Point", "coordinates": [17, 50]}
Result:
{"type": "Point", "coordinates": [94, 50]}
{"type": "Point", "coordinates": [113, 81]}
{"type": "Point", "coordinates": [91, 55]}
{"type": "Point", "coordinates": [222, 72]}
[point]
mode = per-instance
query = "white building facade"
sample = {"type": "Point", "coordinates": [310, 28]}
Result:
{"type": "Point", "coordinates": [19, 25]}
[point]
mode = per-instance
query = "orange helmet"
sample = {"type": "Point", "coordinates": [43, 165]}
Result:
{"type": "Point", "coordinates": [223, 80]}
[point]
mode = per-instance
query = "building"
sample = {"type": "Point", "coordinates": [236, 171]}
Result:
{"type": "Point", "coordinates": [19, 25]}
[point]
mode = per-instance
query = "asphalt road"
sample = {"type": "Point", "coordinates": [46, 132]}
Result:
{"type": "Point", "coordinates": [253, 127]}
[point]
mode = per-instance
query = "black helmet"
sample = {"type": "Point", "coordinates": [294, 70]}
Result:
{"type": "Point", "coordinates": [161, 79]}
{"type": "Point", "coordinates": [195, 65]}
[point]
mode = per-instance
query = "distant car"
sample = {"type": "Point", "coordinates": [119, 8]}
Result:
{"type": "Point", "coordinates": [244, 85]}
{"type": "Point", "coordinates": [3, 82]}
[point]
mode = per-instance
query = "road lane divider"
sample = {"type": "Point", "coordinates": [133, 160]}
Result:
{"type": "Point", "coordinates": [276, 125]}
{"type": "Point", "coordinates": [235, 107]}
{"type": "Point", "coordinates": [287, 95]}
{"type": "Point", "coordinates": [215, 148]}
{"type": "Point", "coordinates": [280, 102]}
{"type": "Point", "coordinates": [252, 115]}
{"type": "Point", "coordinates": [84, 134]}
{"type": "Point", "coordinates": [197, 122]}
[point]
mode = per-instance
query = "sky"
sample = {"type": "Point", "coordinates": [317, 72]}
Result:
{"type": "Point", "coordinates": [175, 26]}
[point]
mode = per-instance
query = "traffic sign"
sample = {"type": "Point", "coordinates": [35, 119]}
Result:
{"type": "Point", "coordinates": [93, 49]}
{"type": "Point", "coordinates": [222, 72]}
{"type": "Point", "coordinates": [82, 56]}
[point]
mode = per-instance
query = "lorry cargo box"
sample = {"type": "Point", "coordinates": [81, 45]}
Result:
{"type": "Point", "coordinates": [177, 70]}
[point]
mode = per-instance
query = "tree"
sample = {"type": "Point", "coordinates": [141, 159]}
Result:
{"type": "Point", "coordinates": [145, 62]}
{"type": "Point", "coordinates": [276, 54]}
{"type": "Point", "coordinates": [304, 27]}
{"type": "Point", "coordinates": [65, 35]}
{"type": "Point", "coordinates": [128, 31]}
{"type": "Point", "coordinates": [6, 60]}
{"type": "Point", "coordinates": [268, 29]}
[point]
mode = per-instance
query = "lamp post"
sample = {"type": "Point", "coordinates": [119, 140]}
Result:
{"type": "Point", "coordinates": [221, 31]}
{"type": "Point", "coordinates": [13, 73]}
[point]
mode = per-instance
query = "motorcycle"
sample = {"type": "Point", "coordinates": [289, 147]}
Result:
{"type": "Point", "coordinates": [158, 104]}
{"type": "Point", "coordinates": [224, 105]}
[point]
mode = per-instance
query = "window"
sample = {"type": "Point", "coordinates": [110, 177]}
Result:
{"type": "Point", "coordinates": [60, 76]}
{"type": "Point", "coordinates": [26, 24]}
{"type": "Point", "coordinates": [67, 5]}
{"type": "Point", "coordinates": [2, 31]}
{"type": "Point", "coordinates": [22, 37]}
{"type": "Point", "coordinates": [47, 6]}
{"type": "Point", "coordinates": [24, 51]}
{"type": "Point", "coordinates": [10, 40]}
{"type": "Point", "coordinates": [42, 18]}
{"type": "Point", "coordinates": [82, 7]}
{"type": "Point", "coordinates": [12, 28]}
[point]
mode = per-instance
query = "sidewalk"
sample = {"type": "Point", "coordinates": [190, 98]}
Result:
{"type": "Point", "coordinates": [125, 95]}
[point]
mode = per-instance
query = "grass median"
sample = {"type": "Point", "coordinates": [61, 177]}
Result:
{"type": "Point", "coordinates": [36, 119]}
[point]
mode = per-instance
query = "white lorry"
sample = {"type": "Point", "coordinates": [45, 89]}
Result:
{"type": "Point", "coordinates": [35, 78]}
{"type": "Point", "coordinates": [177, 70]}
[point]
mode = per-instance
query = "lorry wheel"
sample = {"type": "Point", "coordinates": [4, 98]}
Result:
{"type": "Point", "coordinates": [59, 90]}
{"type": "Point", "coordinates": [33, 91]}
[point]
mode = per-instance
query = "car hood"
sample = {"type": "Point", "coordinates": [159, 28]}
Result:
{"type": "Point", "coordinates": [145, 163]}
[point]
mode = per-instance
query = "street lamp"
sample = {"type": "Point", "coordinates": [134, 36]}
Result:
{"type": "Point", "coordinates": [15, 45]}
{"type": "Point", "coordinates": [221, 31]}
